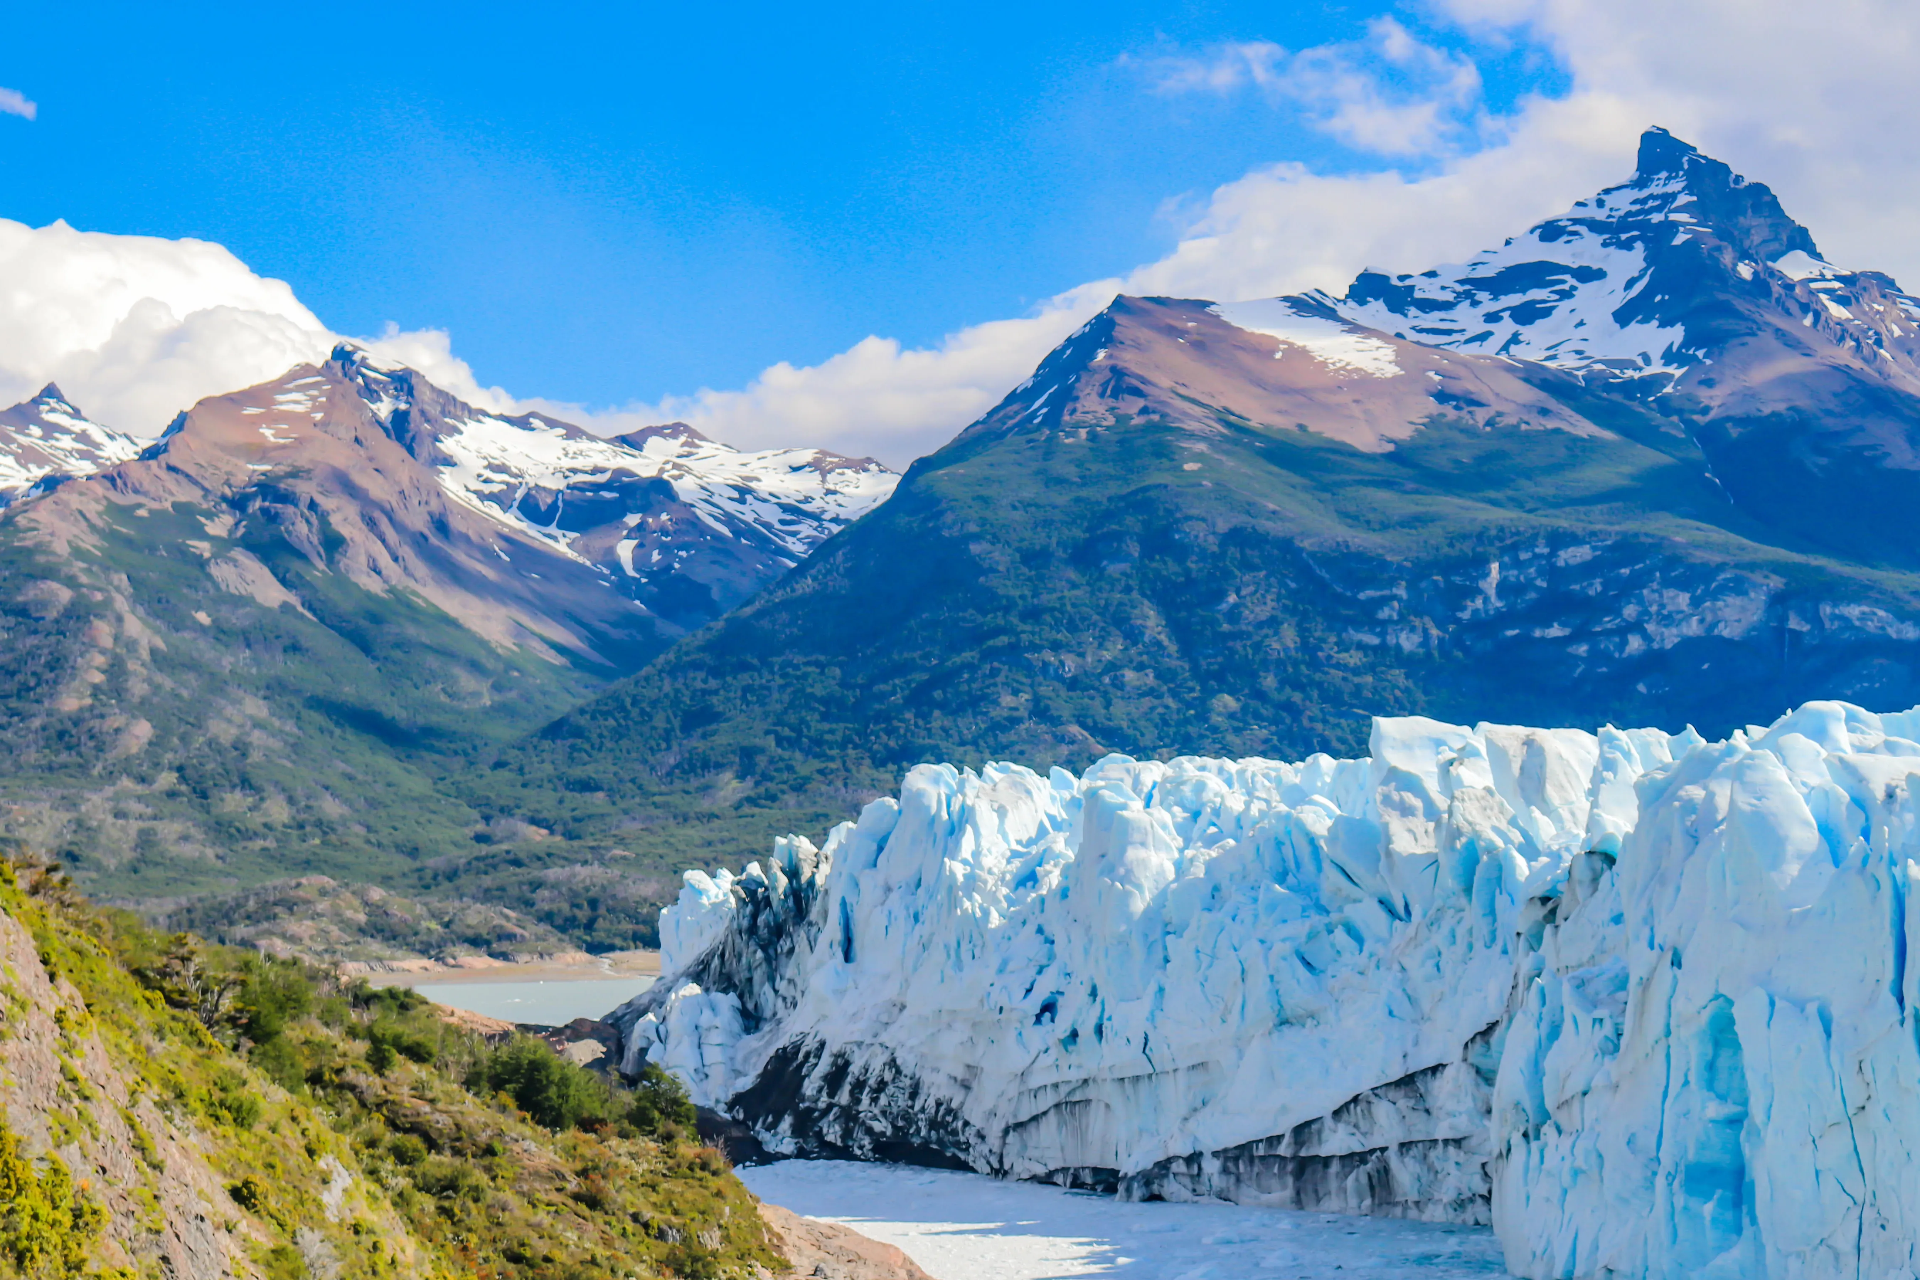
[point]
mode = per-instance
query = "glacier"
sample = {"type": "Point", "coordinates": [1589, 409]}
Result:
{"type": "Point", "coordinates": [1639, 1000]}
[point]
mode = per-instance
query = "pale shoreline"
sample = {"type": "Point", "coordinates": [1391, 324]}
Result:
{"type": "Point", "coordinates": [572, 967]}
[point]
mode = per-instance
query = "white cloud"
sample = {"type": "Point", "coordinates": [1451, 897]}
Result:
{"type": "Point", "coordinates": [430, 351]}
{"type": "Point", "coordinates": [137, 328]}
{"type": "Point", "coordinates": [875, 399]}
{"type": "Point", "coordinates": [1389, 94]}
{"type": "Point", "coordinates": [15, 103]}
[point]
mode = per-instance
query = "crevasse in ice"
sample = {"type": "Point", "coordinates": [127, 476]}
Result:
{"type": "Point", "coordinates": [1641, 1001]}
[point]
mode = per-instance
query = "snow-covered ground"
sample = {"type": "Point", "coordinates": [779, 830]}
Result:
{"type": "Point", "coordinates": [965, 1226]}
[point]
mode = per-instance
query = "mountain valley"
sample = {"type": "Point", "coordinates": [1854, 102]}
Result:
{"type": "Point", "coordinates": [1646, 463]}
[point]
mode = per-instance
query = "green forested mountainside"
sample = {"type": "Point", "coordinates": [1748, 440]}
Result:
{"type": "Point", "coordinates": [1049, 595]}
{"type": "Point", "coordinates": [171, 1108]}
{"type": "Point", "coordinates": [167, 736]}
{"type": "Point", "coordinates": [325, 919]}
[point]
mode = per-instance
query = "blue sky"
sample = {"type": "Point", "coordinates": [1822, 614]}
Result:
{"type": "Point", "coordinates": [609, 203]}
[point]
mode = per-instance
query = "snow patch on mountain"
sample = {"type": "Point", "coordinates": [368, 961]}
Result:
{"type": "Point", "coordinates": [1564, 293]}
{"type": "Point", "coordinates": [795, 497]}
{"type": "Point", "coordinates": [1328, 341]}
{"type": "Point", "coordinates": [1641, 1000]}
{"type": "Point", "coordinates": [1658, 276]}
{"type": "Point", "coordinates": [1801, 265]}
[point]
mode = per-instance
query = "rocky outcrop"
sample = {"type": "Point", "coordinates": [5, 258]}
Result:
{"type": "Point", "coordinates": [831, 1251]}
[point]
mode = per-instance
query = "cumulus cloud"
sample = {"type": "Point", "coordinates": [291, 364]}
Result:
{"type": "Point", "coordinates": [430, 351]}
{"type": "Point", "coordinates": [1389, 94]}
{"type": "Point", "coordinates": [15, 103]}
{"type": "Point", "coordinates": [876, 399]}
{"type": "Point", "coordinates": [137, 328]}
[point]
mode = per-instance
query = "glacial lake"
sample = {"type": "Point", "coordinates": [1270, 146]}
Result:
{"type": "Point", "coordinates": [962, 1226]}
{"type": "Point", "coordinates": [551, 1002]}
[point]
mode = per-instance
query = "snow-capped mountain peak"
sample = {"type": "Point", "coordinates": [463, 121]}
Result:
{"type": "Point", "coordinates": [47, 437]}
{"type": "Point", "coordinates": [687, 524]}
{"type": "Point", "coordinates": [1649, 277]}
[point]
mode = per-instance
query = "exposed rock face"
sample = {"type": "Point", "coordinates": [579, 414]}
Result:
{"type": "Point", "coordinates": [1639, 1000]}
{"type": "Point", "coordinates": [684, 525]}
{"type": "Point", "coordinates": [1690, 288]}
{"type": "Point", "coordinates": [831, 1251]}
{"type": "Point", "coordinates": [527, 529]}
{"type": "Point", "coordinates": [1280, 364]}
{"type": "Point", "coordinates": [55, 1065]}
{"type": "Point", "coordinates": [319, 460]}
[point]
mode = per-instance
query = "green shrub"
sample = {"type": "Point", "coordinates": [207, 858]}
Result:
{"type": "Point", "coordinates": [406, 1149]}
{"type": "Point", "coordinates": [281, 1063]}
{"type": "Point", "coordinates": [231, 1102]}
{"type": "Point", "coordinates": [283, 1262]}
{"type": "Point", "coordinates": [381, 1056]}
{"type": "Point", "coordinates": [388, 1039]}
{"type": "Point", "coordinates": [46, 1226]}
{"type": "Point", "coordinates": [248, 1194]}
{"type": "Point", "coordinates": [555, 1093]}
{"type": "Point", "coordinates": [660, 1107]}
{"type": "Point", "coordinates": [273, 993]}
{"type": "Point", "coordinates": [446, 1179]}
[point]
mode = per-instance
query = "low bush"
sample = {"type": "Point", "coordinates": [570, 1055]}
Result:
{"type": "Point", "coordinates": [660, 1107]}
{"type": "Point", "coordinates": [47, 1226]}
{"type": "Point", "coordinates": [554, 1093]}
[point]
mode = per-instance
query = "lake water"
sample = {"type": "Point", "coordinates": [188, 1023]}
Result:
{"type": "Point", "coordinates": [962, 1226]}
{"type": "Point", "coordinates": [553, 1003]}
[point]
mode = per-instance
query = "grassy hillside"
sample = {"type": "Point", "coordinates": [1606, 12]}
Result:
{"type": "Point", "coordinates": [1048, 596]}
{"type": "Point", "coordinates": [170, 1108]}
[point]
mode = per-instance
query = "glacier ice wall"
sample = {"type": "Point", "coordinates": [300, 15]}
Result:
{"type": "Point", "coordinates": [1640, 1000]}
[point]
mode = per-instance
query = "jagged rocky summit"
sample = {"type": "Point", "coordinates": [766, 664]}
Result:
{"type": "Point", "coordinates": [46, 438]}
{"type": "Point", "coordinates": [681, 525]}
{"type": "Point", "coordinates": [686, 525]}
{"type": "Point", "coordinates": [1642, 1001]}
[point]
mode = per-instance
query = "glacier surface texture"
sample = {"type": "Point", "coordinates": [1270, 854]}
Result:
{"type": "Point", "coordinates": [1641, 1001]}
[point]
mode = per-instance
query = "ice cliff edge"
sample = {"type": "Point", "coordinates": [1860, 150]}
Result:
{"type": "Point", "coordinates": [1640, 1000]}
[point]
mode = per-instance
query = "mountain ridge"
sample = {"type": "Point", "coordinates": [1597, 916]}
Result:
{"type": "Point", "coordinates": [1237, 529]}
{"type": "Point", "coordinates": [257, 648]}
{"type": "Point", "coordinates": [1233, 528]}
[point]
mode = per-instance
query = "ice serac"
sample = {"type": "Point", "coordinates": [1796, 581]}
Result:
{"type": "Point", "coordinates": [1640, 1000]}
